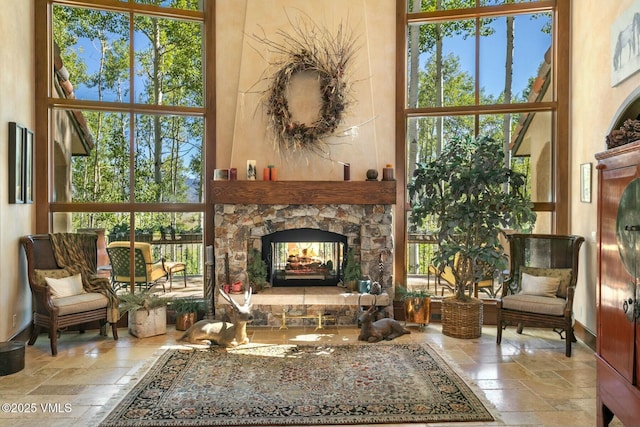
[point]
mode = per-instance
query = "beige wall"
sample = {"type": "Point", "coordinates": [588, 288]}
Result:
{"type": "Point", "coordinates": [17, 94]}
{"type": "Point", "coordinates": [241, 66]}
{"type": "Point", "coordinates": [594, 104]}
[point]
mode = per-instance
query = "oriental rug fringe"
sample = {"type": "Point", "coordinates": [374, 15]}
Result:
{"type": "Point", "coordinates": [269, 385]}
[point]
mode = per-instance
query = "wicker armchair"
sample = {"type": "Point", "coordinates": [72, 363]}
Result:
{"type": "Point", "coordinates": [95, 301]}
{"type": "Point", "coordinates": [541, 284]}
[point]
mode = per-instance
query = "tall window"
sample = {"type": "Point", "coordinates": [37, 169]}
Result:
{"type": "Point", "coordinates": [483, 67]}
{"type": "Point", "coordinates": [126, 114]}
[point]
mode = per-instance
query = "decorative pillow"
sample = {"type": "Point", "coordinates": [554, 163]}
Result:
{"type": "Point", "coordinates": [539, 285]}
{"type": "Point", "coordinates": [65, 287]}
{"type": "Point", "coordinates": [564, 274]}
{"type": "Point", "coordinates": [40, 275]}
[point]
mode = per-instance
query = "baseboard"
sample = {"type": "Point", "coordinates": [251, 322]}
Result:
{"type": "Point", "coordinates": [23, 334]}
{"type": "Point", "coordinates": [584, 335]}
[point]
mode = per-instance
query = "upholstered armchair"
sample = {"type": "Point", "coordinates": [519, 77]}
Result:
{"type": "Point", "coordinates": [61, 269]}
{"type": "Point", "coordinates": [540, 288]}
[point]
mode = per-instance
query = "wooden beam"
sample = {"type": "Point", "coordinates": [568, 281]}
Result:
{"type": "Point", "coordinates": [303, 192]}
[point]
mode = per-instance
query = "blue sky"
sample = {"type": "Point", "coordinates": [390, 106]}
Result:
{"type": "Point", "coordinates": [530, 45]}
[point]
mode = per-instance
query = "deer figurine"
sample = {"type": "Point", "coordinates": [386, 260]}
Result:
{"type": "Point", "coordinates": [220, 332]}
{"type": "Point", "coordinates": [383, 329]}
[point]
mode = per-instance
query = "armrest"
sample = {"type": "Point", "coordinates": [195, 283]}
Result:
{"type": "Point", "coordinates": [161, 260]}
{"type": "Point", "coordinates": [507, 287]}
{"type": "Point", "coordinates": [42, 299]}
{"type": "Point", "coordinates": [568, 308]}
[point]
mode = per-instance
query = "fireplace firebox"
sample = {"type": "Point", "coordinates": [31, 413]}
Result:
{"type": "Point", "coordinates": [304, 257]}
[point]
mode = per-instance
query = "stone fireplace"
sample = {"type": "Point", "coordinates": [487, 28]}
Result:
{"type": "Point", "coordinates": [346, 214]}
{"type": "Point", "coordinates": [365, 228]}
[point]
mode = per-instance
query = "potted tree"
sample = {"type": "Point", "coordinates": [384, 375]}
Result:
{"type": "Point", "coordinates": [147, 313]}
{"type": "Point", "coordinates": [470, 196]}
{"type": "Point", "coordinates": [256, 270]}
{"type": "Point", "coordinates": [186, 310]}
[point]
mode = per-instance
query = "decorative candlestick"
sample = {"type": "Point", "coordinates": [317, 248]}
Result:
{"type": "Point", "coordinates": [387, 173]}
{"type": "Point", "coordinates": [273, 173]}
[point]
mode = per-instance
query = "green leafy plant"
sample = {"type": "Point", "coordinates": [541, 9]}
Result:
{"type": "Point", "coordinates": [352, 270]}
{"type": "Point", "coordinates": [119, 231]}
{"type": "Point", "coordinates": [187, 305]}
{"type": "Point", "coordinates": [406, 294]}
{"type": "Point", "coordinates": [471, 196]}
{"type": "Point", "coordinates": [256, 269]}
{"type": "Point", "coordinates": [144, 300]}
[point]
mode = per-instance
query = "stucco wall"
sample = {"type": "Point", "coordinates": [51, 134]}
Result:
{"type": "Point", "coordinates": [17, 94]}
{"type": "Point", "coordinates": [243, 62]}
{"type": "Point", "coordinates": [594, 104]}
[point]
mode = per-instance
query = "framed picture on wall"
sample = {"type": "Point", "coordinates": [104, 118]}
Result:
{"type": "Point", "coordinates": [16, 158]}
{"type": "Point", "coordinates": [28, 166]}
{"type": "Point", "coordinates": [625, 31]}
{"type": "Point", "coordinates": [585, 182]}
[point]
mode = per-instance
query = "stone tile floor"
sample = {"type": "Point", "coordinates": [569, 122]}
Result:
{"type": "Point", "coordinates": [527, 381]}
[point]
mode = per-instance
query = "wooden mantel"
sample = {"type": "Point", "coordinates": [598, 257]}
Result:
{"type": "Point", "coordinates": [304, 192]}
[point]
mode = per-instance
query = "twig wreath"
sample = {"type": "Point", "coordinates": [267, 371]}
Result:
{"type": "Point", "coordinates": [309, 49]}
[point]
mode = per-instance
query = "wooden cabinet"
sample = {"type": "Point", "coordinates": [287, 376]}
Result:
{"type": "Point", "coordinates": [618, 334]}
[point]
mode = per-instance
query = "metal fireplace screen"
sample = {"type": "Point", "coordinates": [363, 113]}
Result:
{"type": "Point", "coordinates": [304, 257]}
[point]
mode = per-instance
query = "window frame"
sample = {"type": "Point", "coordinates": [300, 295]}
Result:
{"type": "Point", "coordinates": [46, 103]}
{"type": "Point", "coordinates": [559, 108]}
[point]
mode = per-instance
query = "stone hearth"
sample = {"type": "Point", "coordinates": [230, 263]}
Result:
{"type": "Point", "coordinates": [341, 305]}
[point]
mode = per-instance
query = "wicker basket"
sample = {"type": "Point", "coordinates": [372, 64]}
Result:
{"type": "Point", "coordinates": [461, 319]}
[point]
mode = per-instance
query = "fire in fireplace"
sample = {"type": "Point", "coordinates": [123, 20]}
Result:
{"type": "Point", "coordinates": [304, 257]}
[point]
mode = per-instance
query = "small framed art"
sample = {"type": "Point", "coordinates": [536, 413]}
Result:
{"type": "Point", "coordinates": [27, 164]}
{"type": "Point", "coordinates": [585, 182]}
{"type": "Point", "coordinates": [16, 166]}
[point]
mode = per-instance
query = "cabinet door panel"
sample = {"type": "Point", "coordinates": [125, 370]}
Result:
{"type": "Point", "coordinates": [615, 331]}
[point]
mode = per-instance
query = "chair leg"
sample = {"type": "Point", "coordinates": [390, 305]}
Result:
{"type": "Point", "coordinates": [570, 338]}
{"type": "Point", "coordinates": [53, 337]}
{"type": "Point", "coordinates": [520, 328]}
{"type": "Point", "coordinates": [35, 331]}
{"type": "Point", "coordinates": [499, 332]}
{"type": "Point", "coordinates": [114, 330]}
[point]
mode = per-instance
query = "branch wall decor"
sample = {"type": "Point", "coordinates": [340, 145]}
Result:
{"type": "Point", "coordinates": [309, 48]}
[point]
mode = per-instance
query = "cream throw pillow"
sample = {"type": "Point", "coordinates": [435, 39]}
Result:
{"type": "Point", "coordinates": [564, 274]}
{"type": "Point", "coordinates": [65, 287]}
{"type": "Point", "coordinates": [539, 285]}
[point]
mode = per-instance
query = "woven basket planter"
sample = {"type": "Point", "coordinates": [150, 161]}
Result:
{"type": "Point", "coordinates": [461, 319]}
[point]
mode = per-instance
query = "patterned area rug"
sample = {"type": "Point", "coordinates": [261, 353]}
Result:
{"type": "Point", "coordinates": [298, 385]}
